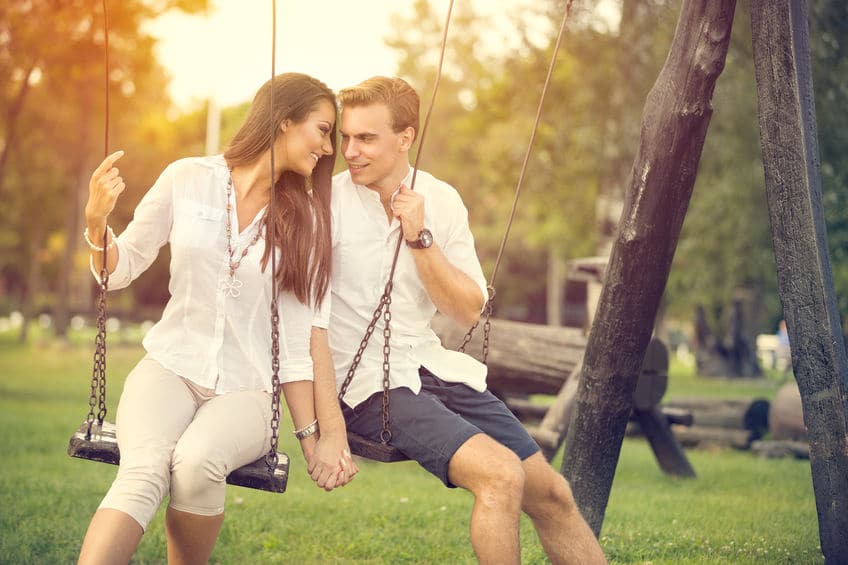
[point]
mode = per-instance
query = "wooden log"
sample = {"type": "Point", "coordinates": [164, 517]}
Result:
{"type": "Point", "coordinates": [674, 125]}
{"type": "Point", "coordinates": [788, 138]}
{"type": "Point", "coordinates": [732, 413]}
{"type": "Point", "coordinates": [667, 449]}
{"type": "Point", "coordinates": [522, 357]}
{"type": "Point", "coordinates": [775, 449]}
{"type": "Point", "coordinates": [708, 436]}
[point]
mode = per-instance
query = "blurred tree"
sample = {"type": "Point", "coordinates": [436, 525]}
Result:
{"type": "Point", "coordinates": [51, 112]}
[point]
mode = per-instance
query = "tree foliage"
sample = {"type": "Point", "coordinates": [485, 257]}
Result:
{"type": "Point", "coordinates": [51, 134]}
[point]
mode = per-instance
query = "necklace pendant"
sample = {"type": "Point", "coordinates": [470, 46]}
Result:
{"type": "Point", "coordinates": [232, 286]}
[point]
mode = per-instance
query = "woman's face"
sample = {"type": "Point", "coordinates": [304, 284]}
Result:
{"type": "Point", "coordinates": [305, 142]}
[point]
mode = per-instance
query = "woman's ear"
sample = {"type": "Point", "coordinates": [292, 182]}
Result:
{"type": "Point", "coordinates": [284, 125]}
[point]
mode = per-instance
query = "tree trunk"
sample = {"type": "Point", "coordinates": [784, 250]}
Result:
{"type": "Point", "coordinates": [12, 122]}
{"type": "Point", "coordinates": [789, 143]}
{"type": "Point", "coordinates": [556, 280]}
{"type": "Point", "coordinates": [674, 125]}
{"type": "Point", "coordinates": [73, 231]}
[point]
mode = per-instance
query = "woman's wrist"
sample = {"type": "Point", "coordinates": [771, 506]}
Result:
{"type": "Point", "coordinates": [94, 239]}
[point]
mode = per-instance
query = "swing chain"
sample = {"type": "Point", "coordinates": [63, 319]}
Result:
{"type": "Point", "coordinates": [98, 373]}
{"type": "Point", "coordinates": [386, 433]}
{"type": "Point", "coordinates": [272, 458]}
{"type": "Point", "coordinates": [375, 317]}
{"type": "Point", "coordinates": [487, 326]}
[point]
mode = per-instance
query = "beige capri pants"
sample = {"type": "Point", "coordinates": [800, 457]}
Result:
{"type": "Point", "coordinates": [179, 438]}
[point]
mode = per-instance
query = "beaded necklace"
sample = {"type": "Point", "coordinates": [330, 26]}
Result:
{"type": "Point", "coordinates": [232, 286]}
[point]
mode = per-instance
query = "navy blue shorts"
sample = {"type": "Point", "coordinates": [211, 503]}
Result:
{"type": "Point", "coordinates": [430, 426]}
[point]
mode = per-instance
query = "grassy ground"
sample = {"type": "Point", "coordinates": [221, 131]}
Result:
{"type": "Point", "coordinates": [739, 510]}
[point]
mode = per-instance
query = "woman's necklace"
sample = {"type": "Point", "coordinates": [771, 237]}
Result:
{"type": "Point", "coordinates": [232, 286]}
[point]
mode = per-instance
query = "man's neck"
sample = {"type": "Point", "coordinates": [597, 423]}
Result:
{"type": "Point", "coordinates": [388, 185]}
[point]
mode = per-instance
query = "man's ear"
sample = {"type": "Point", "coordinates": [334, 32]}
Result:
{"type": "Point", "coordinates": [407, 136]}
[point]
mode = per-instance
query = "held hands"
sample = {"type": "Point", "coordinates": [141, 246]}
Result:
{"type": "Point", "coordinates": [408, 208]}
{"type": "Point", "coordinates": [104, 188]}
{"type": "Point", "coordinates": [330, 463]}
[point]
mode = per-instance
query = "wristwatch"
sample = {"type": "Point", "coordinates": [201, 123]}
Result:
{"type": "Point", "coordinates": [425, 240]}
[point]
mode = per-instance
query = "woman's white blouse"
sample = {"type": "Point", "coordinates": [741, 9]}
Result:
{"type": "Point", "coordinates": [215, 340]}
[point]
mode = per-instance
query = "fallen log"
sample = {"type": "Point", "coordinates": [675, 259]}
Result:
{"type": "Point", "coordinates": [707, 436]}
{"type": "Point", "coordinates": [522, 357]}
{"type": "Point", "coordinates": [749, 414]}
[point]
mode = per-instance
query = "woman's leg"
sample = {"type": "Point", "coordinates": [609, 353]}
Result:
{"type": "Point", "coordinates": [228, 431]}
{"type": "Point", "coordinates": [154, 410]}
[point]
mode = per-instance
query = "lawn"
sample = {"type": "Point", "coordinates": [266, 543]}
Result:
{"type": "Point", "coordinates": [740, 509]}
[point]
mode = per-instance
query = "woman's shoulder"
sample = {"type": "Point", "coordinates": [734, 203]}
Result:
{"type": "Point", "coordinates": [212, 163]}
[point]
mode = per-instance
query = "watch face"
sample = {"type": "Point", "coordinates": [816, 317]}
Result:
{"type": "Point", "coordinates": [425, 238]}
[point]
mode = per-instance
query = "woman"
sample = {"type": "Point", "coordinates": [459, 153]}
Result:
{"type": "Point", "coordinates": [198, 405]}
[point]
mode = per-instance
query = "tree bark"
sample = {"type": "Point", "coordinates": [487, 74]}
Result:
{"type": "Point", "coordinates": [674, 126]}
{"type": "Point", "coordinates": [788, 136]}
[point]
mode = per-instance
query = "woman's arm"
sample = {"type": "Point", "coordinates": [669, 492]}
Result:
{"type": "Point", "coordinates": [301, 404]}
{"type": "Point", "coordinates": [104, 188]}
{"type": "Point", "coordinates": [331, 463]}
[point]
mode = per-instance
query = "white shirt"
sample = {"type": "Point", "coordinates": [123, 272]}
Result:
{"type": "Point", "coordinates": [217, 341]}
{"type": "Point", "coordinates": [363, 247]}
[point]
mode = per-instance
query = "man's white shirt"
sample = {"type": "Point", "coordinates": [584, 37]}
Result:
{"type": "Point", "coordinates": [363, 248]}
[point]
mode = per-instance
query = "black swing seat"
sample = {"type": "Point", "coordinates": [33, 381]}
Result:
{"type": "Point", "coordinates": [382, 452]}
{"type": "Point", "coordinates": [103, 447]}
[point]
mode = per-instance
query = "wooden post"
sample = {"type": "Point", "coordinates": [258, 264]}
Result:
{"type": "Point", "coordinates": [793, 188]}
{"type": "Point", "coordinates": [674, 126]}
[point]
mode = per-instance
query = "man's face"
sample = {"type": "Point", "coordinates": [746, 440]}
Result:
{"type": "Point", "coordinates": [372, 150]}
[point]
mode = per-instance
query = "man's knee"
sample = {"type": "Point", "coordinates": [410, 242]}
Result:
{"type": "Point", "coordinates": [493, 473]}
{"type": "Point", "coordinates": [546, 491]}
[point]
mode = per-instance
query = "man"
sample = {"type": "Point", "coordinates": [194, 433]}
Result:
{"type": "Point", "coordinates": [441, 414]}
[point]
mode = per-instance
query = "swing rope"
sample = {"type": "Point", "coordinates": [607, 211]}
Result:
{"type": "Point", "coordinates": [384, 306]}
{"type": "Point", "coordinates": [271, 458]}
{"type": "Point", "coordinates": [487, 325]}
{"type": "Point", "coordinates": [98, 373]}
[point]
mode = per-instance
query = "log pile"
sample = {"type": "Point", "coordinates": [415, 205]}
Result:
{"type": "Point", "coordinates": [721, 422]}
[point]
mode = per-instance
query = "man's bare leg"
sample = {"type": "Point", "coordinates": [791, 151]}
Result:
{"type": "Point", "coordinates": [495, 476]}
{"type": "Point", "coordinates": [565, 535]}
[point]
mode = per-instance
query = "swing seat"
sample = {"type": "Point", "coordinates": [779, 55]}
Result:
{"type": "Point", "coordinates": [382, 452]}
{"type": "Point", "coordinates": [103, 447]}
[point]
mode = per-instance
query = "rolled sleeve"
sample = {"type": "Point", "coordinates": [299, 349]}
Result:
{"type": "Point", "coordinates": [299, 369]}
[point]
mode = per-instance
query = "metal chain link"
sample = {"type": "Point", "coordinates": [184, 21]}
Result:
{"type": "Point", "coordinates": [97, 396]}
{"type": "Point", "coordinates": [487, 326]}
{"type": "Point", "coordinates": [271, 458]}
{"type": "Point", "coordinates": [386, 433]}
{"type": "Point", "coordinates": [364, 343]}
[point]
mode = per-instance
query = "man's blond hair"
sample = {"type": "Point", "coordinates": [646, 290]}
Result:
{"type": "Point", "coordinates": [400, 98]}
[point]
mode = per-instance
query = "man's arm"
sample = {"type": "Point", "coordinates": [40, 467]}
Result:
{"type": "Point", "coordinates": [454, 293]}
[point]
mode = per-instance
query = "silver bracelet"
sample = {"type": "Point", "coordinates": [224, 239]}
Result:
{"type": "Point", "coordinates": [307, 431]}
{"type": "Point", "coordinates": [97, 248]}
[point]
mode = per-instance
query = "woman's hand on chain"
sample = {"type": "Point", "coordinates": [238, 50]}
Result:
{"type": "Point", "coordinates": [105, 186]}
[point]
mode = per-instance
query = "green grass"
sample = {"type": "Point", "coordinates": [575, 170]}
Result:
{"type": "Point", "coordinates": [740, 509]}
{"type": "Point", "coordinates": [682, 382]}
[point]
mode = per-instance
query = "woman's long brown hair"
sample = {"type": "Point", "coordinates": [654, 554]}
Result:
{"type": "Point", "coordinates": [302, 220]}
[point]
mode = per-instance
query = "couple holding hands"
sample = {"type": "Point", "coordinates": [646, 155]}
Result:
{"type": "Point", "coordinates": [198, 405]}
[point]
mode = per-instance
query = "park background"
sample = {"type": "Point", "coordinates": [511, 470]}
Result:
{"type": "Point", "coordinates": [51, 137]}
